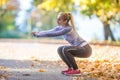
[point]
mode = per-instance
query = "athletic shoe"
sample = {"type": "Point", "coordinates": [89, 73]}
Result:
{"type": "Point", "coordinates": [69, 69]}
{"type": "Point", "coordinates": [73, 73]}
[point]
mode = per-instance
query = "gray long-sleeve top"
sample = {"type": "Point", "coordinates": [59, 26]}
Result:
{"type": "Point", "coordinates": [68, 33]}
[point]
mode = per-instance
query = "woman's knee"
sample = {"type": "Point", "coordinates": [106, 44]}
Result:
{"type": "Point", "coordinates": [89, 51]}
{"type": "Point", "coordinates": [88, 55]}
{"type": "Point", "coordinates": [59, 50]}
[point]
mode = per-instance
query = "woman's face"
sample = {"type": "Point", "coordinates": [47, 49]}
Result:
{"type": "Point", "coordinates": [60, 21]}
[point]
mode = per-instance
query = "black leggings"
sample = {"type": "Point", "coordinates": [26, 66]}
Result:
{"type": "Point", "coordinates": [67, 54]}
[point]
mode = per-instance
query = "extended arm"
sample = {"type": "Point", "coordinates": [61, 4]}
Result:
{"type": "Point", "coordinates": [53, 33]}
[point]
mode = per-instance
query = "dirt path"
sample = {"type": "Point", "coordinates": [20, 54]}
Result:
{"type": "Point", "coordinates": [32, 70]}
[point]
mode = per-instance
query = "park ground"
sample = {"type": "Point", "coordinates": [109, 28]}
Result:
{"type": "Point", "coordinates": [38, 60]}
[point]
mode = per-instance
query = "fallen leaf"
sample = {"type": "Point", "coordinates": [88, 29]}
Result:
{"type": "Point", "coordinates": [42, 70]}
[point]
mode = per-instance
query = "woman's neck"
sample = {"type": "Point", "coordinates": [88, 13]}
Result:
{"type": "Point", "coordinates": [65, 25]}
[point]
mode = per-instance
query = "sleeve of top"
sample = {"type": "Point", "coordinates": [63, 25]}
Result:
{"type": "Point", "coordinates": [54, 32]}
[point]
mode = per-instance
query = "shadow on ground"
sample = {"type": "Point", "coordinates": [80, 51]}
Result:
{"type": "Point", "coordinates": [31, 70]}
{"type": "Point", "coordinates": [34, 70]}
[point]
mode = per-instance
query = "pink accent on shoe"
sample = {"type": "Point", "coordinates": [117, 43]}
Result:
{"type": "Point", "coordinates": [69, 69]}
{"type": "Point", "coordinates": [73, 72]}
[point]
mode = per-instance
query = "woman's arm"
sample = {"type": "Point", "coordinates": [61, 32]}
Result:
{"type": "Point", "coordinates": [52, 33]}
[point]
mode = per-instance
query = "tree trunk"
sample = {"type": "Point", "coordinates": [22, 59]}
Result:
{"type": "Point", "coordinates": [107, 32]}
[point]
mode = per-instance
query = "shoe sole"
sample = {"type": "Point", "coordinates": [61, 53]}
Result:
{"type": "Point", "coordinates": [63, 73]}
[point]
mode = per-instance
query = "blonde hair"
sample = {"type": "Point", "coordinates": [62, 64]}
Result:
{"type": "Point", "coordinates": [68, 16]}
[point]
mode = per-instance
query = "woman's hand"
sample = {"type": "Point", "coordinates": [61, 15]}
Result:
{"type": "Point", "coordinates": [34, 33]}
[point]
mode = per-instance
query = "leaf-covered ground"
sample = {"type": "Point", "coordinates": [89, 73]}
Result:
{"type": "Point", "coordinates": [101, 69]}
{"type": "Point", "coordinates": [104, 64]}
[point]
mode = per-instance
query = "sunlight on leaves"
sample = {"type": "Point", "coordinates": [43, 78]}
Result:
{"type": "Point", "coordinates": [57, 5]}
{"type": "Point", "coordinates": [2, 2]}
{"type": "Point", "coordinates": [108, 8]}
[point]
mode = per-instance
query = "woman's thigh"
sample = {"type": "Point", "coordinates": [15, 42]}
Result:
{"type": "Point", "coordinates": [82, 52]}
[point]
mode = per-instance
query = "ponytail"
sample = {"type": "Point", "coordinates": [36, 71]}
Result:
{"type": "Point", "coordinates": [72, 21]}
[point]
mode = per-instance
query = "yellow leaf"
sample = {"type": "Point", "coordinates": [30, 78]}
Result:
{"type": "Point", "coordinates": [42, 70]}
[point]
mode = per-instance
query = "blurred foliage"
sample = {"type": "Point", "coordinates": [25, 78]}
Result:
{"type": "Point", "coordinates": [100, 8]}
{"type": "Point", "coordinates": [56, 5]}
{"type": "Point", "coordinates": [8, 12]}
{"type": "Point", "coordinates": [105, 10]}
{"type": "Point", "coordinates": [2, 2]}
{"type": "Point", "coordinates": [36, 2]}
{"type": "Point", "coordinates": [42, 21]}
{"type": "Point", "coordinates": [8, 6]}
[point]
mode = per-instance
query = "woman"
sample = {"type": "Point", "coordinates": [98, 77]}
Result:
{"type": "Point", "coordinates": [78, 47]}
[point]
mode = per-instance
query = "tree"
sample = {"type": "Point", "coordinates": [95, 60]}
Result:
{"type": "Point", "coordinates": [106, 10]}
{"type": "Point", "coordinates": [7, 7]}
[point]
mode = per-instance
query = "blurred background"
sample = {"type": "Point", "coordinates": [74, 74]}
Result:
{"type": "Point", "coordinates": [95, 20]}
